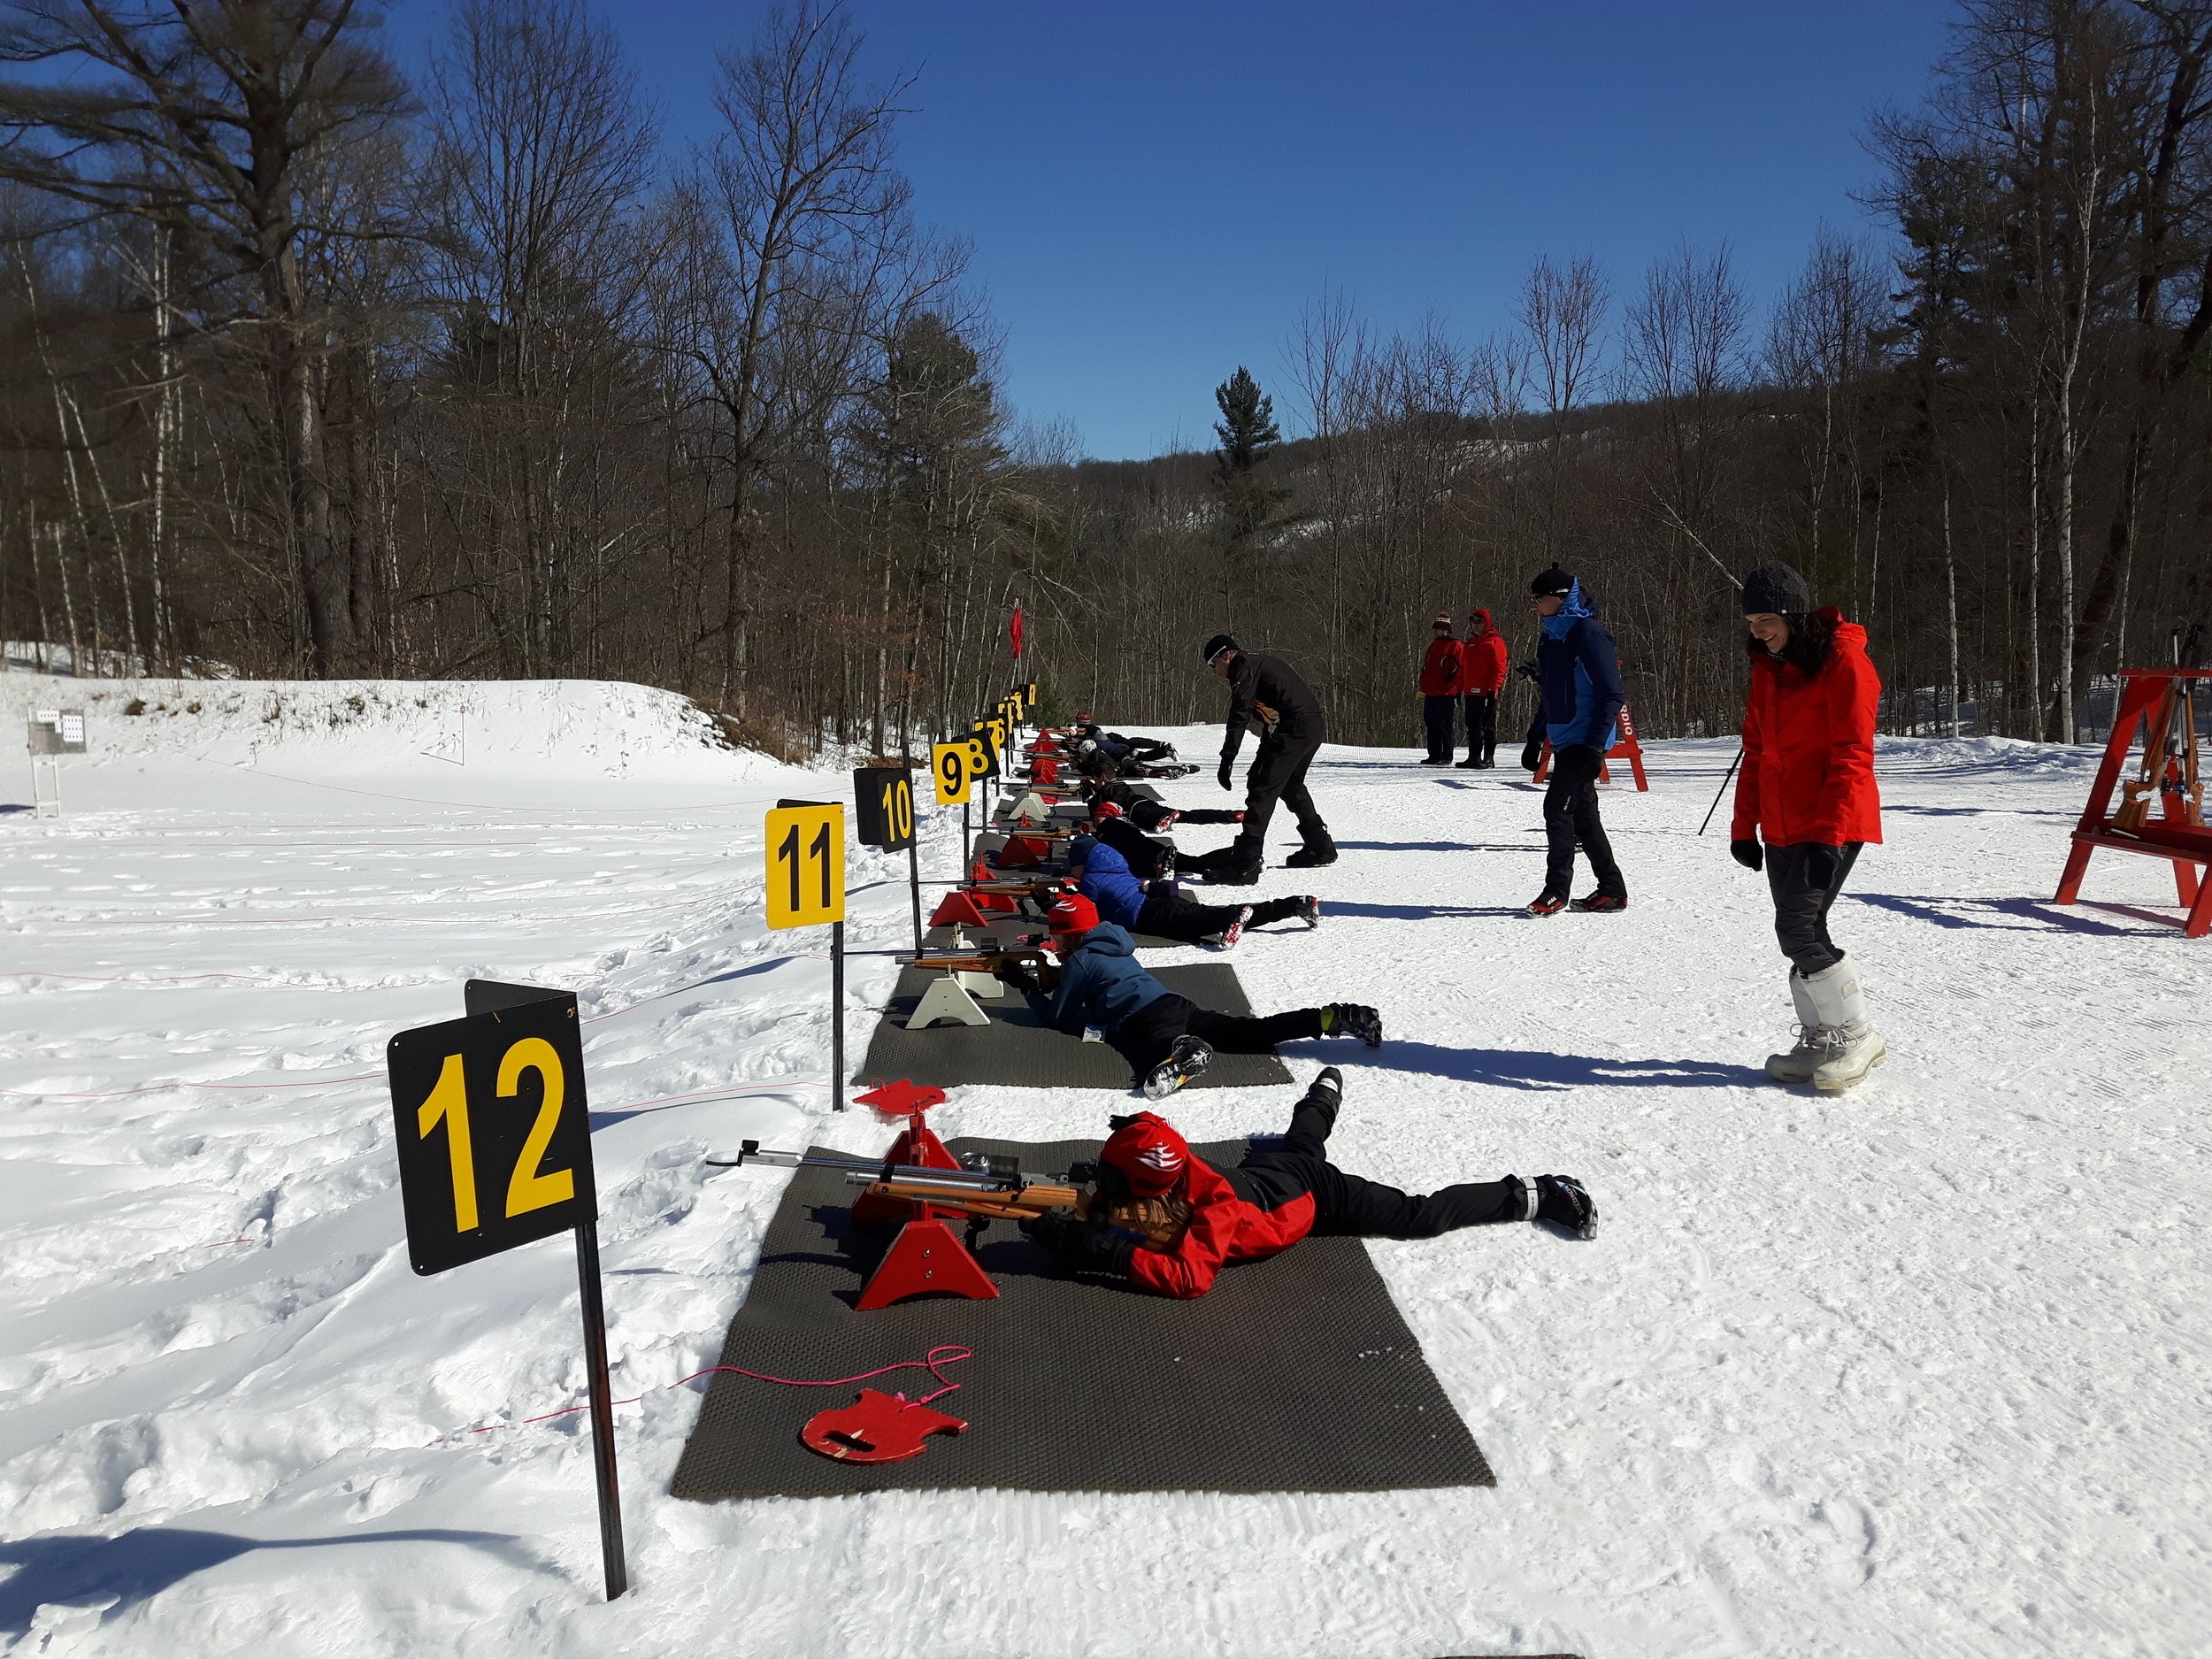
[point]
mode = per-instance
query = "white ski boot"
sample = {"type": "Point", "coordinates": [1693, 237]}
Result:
{"type": "Point", "coordinates": [1798, 1064]}
{"type": "Point", "coordinates": [1854, 1048]}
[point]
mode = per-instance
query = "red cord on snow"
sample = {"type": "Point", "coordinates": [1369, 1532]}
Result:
{"type": "Point", "coordinates": [945, 1353]}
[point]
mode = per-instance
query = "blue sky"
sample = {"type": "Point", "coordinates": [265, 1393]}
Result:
{"type": "Point", "coordinates": [1156, 191]}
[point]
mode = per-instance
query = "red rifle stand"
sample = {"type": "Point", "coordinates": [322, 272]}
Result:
{"type": "Point", "coordinates": [2174, 837]}
{"type": "Point", "coordinates": [927, 1256]}
{"type": "Point", "coordinates": [1628, 749]}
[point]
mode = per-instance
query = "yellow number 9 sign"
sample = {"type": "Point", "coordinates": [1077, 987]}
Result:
{"type": "Point", "coordinates": [956, 766]}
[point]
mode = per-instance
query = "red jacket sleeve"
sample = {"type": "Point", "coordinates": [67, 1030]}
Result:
{"type": "Point", "coordinates": [1189, 1268]}
{"type": "Point", "coordinates": [1850, 805]}
{"type": "Point", "coordinates": [1486, 669]}
{"type": "Point", "coordinates": [1744, 824]}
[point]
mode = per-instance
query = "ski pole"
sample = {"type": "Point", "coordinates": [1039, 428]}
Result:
{"type": "Point", "coordinates": [1721, 791]}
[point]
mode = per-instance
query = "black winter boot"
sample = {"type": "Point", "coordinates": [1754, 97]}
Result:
{"type": "Point", "coordinates": [1313, 854]}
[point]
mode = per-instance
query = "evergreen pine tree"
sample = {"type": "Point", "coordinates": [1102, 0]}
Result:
{"type": "Point", "coordinates": [1247, 434]}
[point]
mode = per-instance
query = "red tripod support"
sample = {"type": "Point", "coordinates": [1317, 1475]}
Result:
{"type": "Point", "coordinates": [2179, 833]}
{"type": "Point", "coordinates": [1626, 749]}
{"type": "Point", "coordinates": [927, 1256]}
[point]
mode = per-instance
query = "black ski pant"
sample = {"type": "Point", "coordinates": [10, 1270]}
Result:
{"type": "Point", "coordinates": [1206, 815]}
{"type": "Point", "coordinates": [1570, 816]}
{"type": "Point", "coordinates": [1805, 878]}
{"type": "Point", "coordinates": [1278, 773]}
{"type": "Point", "coordinates": [1352, 1206]}
{"type": "Point", "coordinates": [1439, 715]}
{"type": "Point", "coordinates": [1145, 1038]}
{"type": "Point", "coordinates": [1168, 914]}
{"type": "Point", "coordinates": [1482, 727]}
{"type": "Point", "coordinates": [1144, 856]}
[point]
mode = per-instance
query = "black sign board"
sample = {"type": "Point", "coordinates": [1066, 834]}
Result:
{"type": "Point", "coordinates": [883, 807]}
{"type": "Point", "coordinates": [495, 1149]}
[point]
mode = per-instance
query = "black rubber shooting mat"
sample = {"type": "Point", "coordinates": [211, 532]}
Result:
{"type": "Point", "coordinates": [1293, 1374]}
{"type": "Point", "coordinates": [1018, 1049]}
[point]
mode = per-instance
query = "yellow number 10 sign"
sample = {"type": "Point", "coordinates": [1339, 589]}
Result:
{"type": "Point", "coordinates": [806, 864]}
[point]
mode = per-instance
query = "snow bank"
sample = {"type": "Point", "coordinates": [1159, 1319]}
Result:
{"type": "Point", "coordinates": [398, 729]}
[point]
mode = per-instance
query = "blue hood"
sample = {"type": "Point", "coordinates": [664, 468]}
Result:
{"type": "Point", "coordinates": [1101, 983]}
{"type": "Point", "coordinates": [1573, 610]}
{"type": "Point", "coordinates": [1108, 883]}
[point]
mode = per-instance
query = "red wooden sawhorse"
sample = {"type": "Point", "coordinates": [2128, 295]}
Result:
{"type": "Point", "coordinates": [2173, 836]}
{"type": "Point", "coordinates": [1626, 749]}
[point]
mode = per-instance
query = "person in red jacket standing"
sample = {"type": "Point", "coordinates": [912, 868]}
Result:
{"type": "Point", "coordinates": [1482, 676]}
{"type": "Point", "coordinates": [1439, 692]}
{"type": "Point", "coordinates": [1169, 1222]}
{"type": "Point", "coordinates": [1807, 791]}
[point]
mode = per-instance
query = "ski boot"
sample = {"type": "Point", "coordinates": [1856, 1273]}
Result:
{"type": "Point", "coordinates": [1186, 1063]}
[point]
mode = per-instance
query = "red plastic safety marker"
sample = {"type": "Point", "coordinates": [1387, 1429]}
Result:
{"type": "Point", "coordinates": [876, 1428]}
{"type": "Point", "coordinates": [902, 1099]}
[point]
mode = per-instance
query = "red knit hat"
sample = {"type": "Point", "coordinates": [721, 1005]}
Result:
{"type": "Point", "coordinates": [1107, 808]}
{"type": "Point", "coordinates": [1149, 1151]}
{"type": "Point", "coordinates": [1443, 619]}
{"type": "Point", "coordinates": [1071, 914]}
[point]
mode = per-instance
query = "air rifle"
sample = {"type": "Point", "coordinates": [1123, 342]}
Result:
{"type": "Point", "coordinates": [988, 1187]}
{"type": "Point", "coordinates": [978, 959]}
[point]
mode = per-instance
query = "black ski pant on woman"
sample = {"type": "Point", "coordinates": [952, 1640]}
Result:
{"type": "Point", "coordinates": [1168, 914]}
{"type": "Point", "coordinates": [1805, 878]}
{"type": "Point", "coordinates": [1145, 1038]}
{"type": "Point", "coordinates": [1570, 815]}
{"type": "Point", "coordinates": [1439, 715]}
{"type": "Point", "coordinates": [1278, 773]}
{"type": "Point", "coordinates": [1352, 1206]}
{"type": "Point", "coordinates": [1482, 727]}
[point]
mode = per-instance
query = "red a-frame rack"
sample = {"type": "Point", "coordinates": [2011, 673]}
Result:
{"type": "Point", "coordinates": [1624, 748]}
{"type": "Point", "coordinates": [2179, 833]}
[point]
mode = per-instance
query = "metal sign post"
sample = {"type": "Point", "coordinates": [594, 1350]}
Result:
{"type": "Point", "coordinates": [53, 733]}
{"type": "Point", "coordinates": [495, 1152]}
{"type": "Point", "coordinates": [806, 888]}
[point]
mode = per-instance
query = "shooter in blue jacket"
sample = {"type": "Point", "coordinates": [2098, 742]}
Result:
{"type": "Point", "coordinates": [1578, 707]}
{"type": "Point", "coordinates": [1168, 1039]}
{"type": "Point", "coordinates": [1159, 907]}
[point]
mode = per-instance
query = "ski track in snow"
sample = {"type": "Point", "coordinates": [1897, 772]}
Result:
{"type": "Point", "coordinates": [1916, 1370]}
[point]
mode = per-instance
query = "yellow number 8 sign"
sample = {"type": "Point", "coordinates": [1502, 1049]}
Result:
{"type": "Point", "coordinates": [956, 766]}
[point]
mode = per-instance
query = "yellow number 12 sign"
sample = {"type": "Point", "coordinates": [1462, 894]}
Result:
{"type": "Point", "coordinates": [806, 864]}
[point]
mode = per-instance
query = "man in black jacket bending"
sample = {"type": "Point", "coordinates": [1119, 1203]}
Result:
{"type": "Point", "coordinates": [1266, 696]}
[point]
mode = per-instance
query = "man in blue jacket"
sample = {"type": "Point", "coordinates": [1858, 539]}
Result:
{"type": "Point", "coordinates": [1102, 875]}
{"type": "Point", "coordinates": [1168, 1039]}
{"type": "Point", "coordinates": [1579, 706]}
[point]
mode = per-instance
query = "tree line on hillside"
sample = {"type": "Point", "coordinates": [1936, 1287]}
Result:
{"type": "Point", "coordinates": [317, 372]}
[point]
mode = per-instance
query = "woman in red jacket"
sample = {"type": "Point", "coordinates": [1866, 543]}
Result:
{"type": "Point", "coordinates": [1439, 692]}
{"type": "Point", "coordinates": [1169, 1222]}
{"type": "Point", "coordinates": [1482, 676]}
{"type": "Point", "coordinates": [1807, 791]}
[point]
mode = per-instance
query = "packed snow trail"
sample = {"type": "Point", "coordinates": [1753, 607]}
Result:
{"type": "Point", "coordinates": [1918, 1369]}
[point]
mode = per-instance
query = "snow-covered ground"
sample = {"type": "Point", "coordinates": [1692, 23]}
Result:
{"type": "Point", "coordinates": [1920, 1370]}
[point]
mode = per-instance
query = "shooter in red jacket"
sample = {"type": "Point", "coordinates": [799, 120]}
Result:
{"type": "Point", "coordinates": [1169, 1222]}
{"type": "Point", "coordinates": [1440, 679]}
{"type": "Point", "coordinates": [1807, 792]}
{"type": "Point", "coordinates": [1482, 676]}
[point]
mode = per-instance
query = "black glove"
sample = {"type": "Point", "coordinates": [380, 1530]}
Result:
{"type": "Point", "coordinates": [1018, 974]}
{"type": "Point", "coordinates": [1578, 763]}
{"type": "Point", "coordinates": [1081, 1246]}
{"type": "Point", "coordinates": [1532, 753]}
{"type": "Point", "coordinates": [1527, 671]}
{"type": "Point", "coordinates": [1820, 866]}
{"type": "Point", "coordinates": [1746, 852]}
{"type": "Point", "coordinates": [1226, 771]}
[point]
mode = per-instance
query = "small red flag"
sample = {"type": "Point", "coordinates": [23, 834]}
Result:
{"type": "Point", "coordinates": [1014, 630]}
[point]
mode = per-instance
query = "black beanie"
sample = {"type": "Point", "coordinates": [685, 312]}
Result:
{"type": "Point", "coordinates": [1219, 643]}
{"type": "Point", "coordinates": [1554, 580]}
{"type": "Point", "coordinates": [1777, 589]}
